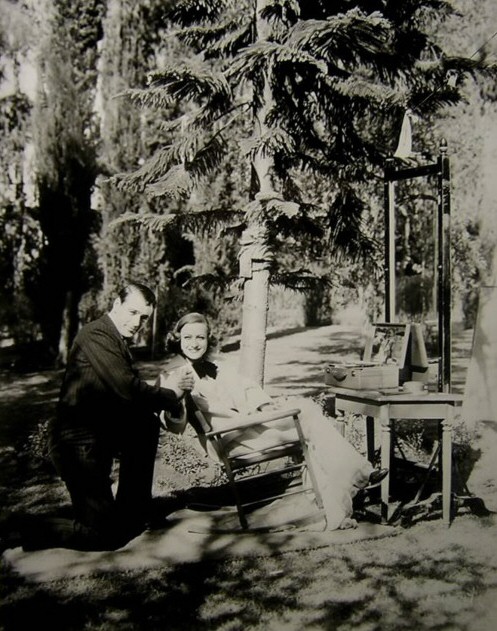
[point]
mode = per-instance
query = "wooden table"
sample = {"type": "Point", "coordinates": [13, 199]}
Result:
{"type": "Point", "coordinates": [387, 406]}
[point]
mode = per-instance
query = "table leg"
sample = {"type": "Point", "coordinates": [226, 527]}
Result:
{"type": "Point", "coordinates": [447, 464]}
{"type": "Point", "coordinates": [385, 460]}
{"type": "Point", "coordinates": [370, 438]}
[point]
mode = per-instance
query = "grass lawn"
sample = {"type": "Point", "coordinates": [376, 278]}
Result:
{"type": "Point", "coordinates": [427, 576]}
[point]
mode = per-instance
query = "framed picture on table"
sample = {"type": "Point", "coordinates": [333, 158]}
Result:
{"type": "Point", "coordinates": [388, 344]}
{"type": "Point", "coordinates": [399, 344]}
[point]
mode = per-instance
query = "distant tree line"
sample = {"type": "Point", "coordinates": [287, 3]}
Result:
{"type": "Point", "coordinates": [218, 150]}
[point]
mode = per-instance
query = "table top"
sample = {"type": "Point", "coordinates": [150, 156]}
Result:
{"type": "Point", "coordinates": [395, 395]}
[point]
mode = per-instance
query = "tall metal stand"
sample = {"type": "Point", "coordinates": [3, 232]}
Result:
{"type": "Point", "coordinates": [392, 174]}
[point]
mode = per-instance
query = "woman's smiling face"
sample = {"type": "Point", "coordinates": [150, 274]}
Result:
{"type": "Point", "coordinates": [194, 340]}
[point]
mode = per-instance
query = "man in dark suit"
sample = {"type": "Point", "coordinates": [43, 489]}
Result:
{"type": "Point", "coordinates": [106, 411]}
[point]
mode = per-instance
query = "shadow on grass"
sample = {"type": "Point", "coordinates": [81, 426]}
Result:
{"type": "Point", "coordinates": [25, 400]}
{"type": "Point", "coordinates": [393, 584]}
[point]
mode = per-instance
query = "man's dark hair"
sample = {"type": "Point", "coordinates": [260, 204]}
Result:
{"type": "Point", "coordinates": [147, 294]}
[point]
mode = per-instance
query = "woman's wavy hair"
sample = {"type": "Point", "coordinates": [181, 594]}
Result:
{"type": "Point", "coordinates": [173, 338]}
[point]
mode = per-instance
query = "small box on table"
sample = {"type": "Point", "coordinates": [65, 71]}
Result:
{"type": "Point", "coordinates": [394, 353]}
{"type": "Point", "coordinates": [362, 376]}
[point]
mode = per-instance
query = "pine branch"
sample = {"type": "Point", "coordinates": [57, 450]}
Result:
{"type": "Point", "coordinates": [210, 221]}
{"type": "Point", "coordinates": [208, 157]}
{"type": "Point", "coordinates": [357, 89]}
{"type": "Point", "coordinates": [151, 170]}
{"type": "Point", "coordinates": [303, 226]}
{"type": "Point", "coordinates": [281, 208]}
{"type": "Point", "coordinates": [154, 98]}
{"type": "Point", "coordinates": [302, 280]}
{"type": "Point", "coordinates": [149, 221]}
{"type": "Point", "coordinates": [211, 281]}
{"type": "Point", "coordinates": [232, 43]}
{"type": "Point", "coordinates": [350, 37]}
{"type": "Point", "coordinates": [224, 39]}
{"type": "Point", "coordinates": [193, 81]}
{"type": "Point", "coordinates": [474, 67]}
{"type": "Point", "coordinates": [186, 12]}
{"type": "Point", "coordinates": [180, 179]}
{"type": "Point", "coordinates": [177, 183]}
{"type": "Point", "coordinates": [202, 37]}
{"type": "Point", "coordinates": [207, 221]}
{"type": "Point", "coordinates": [219, 120]}
{"type": "Point", "coordinates": [347, 233]}
{"type": "Point", "coordinates": [260, 55]}
{"type": "Point", "coordinates": [272, 141]}
{"type": "Point", "coordinates": [286, 11]}
{"type": "Point", "coordinates": [174, 170]}
{"type": "Point", "coordinates": [405, 12]}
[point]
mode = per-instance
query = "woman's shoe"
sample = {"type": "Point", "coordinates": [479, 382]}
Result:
{"type": "Point", "coordinates": [376, 477]}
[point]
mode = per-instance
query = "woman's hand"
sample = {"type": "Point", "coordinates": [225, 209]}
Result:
{"type": "Point", "coordinates": [180, 381]}
{"type": "Point", "coordinates": [267, 407]}
{"type": "Point", "coordinates": [185, 380]}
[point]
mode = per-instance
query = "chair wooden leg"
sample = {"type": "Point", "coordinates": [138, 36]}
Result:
{"type": "Point", "coordinates": [238, 500]}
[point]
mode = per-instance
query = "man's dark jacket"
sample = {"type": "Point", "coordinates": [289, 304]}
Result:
{"type": "Point", "coordinates": [102, 396]}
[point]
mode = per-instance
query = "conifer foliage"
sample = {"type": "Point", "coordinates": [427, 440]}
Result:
{"type": "Point", "coordinates": [307, 94]}
{"type": "Point", "coordinates": [65, 138]}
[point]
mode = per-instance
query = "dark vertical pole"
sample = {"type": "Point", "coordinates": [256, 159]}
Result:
{"type": "Point", "coordinates": [444, 271]}
{"type": "Point", "coordinates": [389, 266]}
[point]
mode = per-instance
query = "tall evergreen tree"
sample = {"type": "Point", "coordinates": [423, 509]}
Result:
{"type": "Point", "coordinates": [128, 54]}
{"type": "Point", "coordinates": [65, 138]}
{"type": "Point", "coordinates": [20, 243]}
{"type": "Point", "coordinates": [296, 88]}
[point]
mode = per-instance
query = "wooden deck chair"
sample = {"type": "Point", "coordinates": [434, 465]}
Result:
{"type": "Point", "coordinates": [240, 464]}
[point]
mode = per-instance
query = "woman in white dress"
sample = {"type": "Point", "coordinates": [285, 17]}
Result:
{"type": "Point", "coordinates": [220, 393]}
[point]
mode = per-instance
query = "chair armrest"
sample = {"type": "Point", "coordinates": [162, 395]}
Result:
{"type": "Point", "coordinates": [251, 420]}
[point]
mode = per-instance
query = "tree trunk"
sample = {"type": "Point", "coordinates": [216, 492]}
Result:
{"type": "Point", "coordinates": [255, 256]}
{"type": "Point", "coordinates": [254, 323]}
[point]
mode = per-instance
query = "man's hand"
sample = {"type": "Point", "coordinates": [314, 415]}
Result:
{"type": "Point", "coordinates": [182, 381]}
{"type": "Point", "coordinates": [186, 380]}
